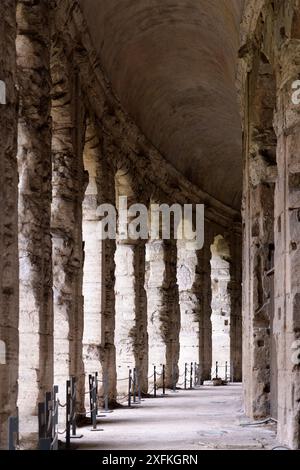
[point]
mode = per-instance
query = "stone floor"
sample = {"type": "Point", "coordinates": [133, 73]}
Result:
{"type": "Point", "coordinates": [206, 418]}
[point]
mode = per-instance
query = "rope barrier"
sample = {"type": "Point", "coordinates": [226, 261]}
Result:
{"type": "Point", "coordinates": [48, 410]}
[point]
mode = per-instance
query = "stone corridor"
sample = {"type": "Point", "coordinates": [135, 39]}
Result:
{"type": "Point", "coordinates": [208, 418]}
{"type": "Point", "coordinates": [157, 105]}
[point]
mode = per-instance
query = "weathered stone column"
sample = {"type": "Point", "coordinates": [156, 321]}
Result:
{"type": "Point", "coordinates": [93, 272]}
{"type": "Point", "coordinates": [235, 292]}
{"type": "Point", "coordinates": [34, 163]}
{"type": "Point", "coordinates": [287, 247]}
{"type": "Point", "coordinates": [220, 306]}
{"type": "Point", "coordinates": [205, 328]}
{"type": "Point", "coordinates": [9, 277]}
{"type": "Point", "coordinates": [189, 300]}
{"type": "Point", "coordinates": [163, 307]}
{"type": "Point", "coordinates": [108, 195]}
{"type": "Point", "coordinates": [69, 183]}
{"type": "Point", "coordinates": [141, 343]}
{"type": "Point", "coordinates": [131, 318]}
{"type": "Point", "coordinates": [126, 311]}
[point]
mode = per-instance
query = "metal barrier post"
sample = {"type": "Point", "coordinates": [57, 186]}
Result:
{"type": "Point", "coordinates": [68, 414]}
{"type": "Point", "coordinates": [191, 377]}
{"type": "Point", "coordinates": [164, 378]}
{"type": "Point", "coordinates": [185, 375]}
{"type": "Point", "coordinates": [129, 388]}
{"type": "Point", "coordinates": [48, 408]}
{"type": "Point", "coordinates": [134, 385]}
{"type": "Point", "coordinates": [154, 374]}
{"type": "Point", "coordinates": [226, 371]}
{"type": "Point", "coordinates": [96, 387]}
{"type": "Point", "coordinates": [138, 387]}
{"type": "Point", "coordinates": [195, 374]}
{"type": "Point", "coordinates": [54, 443]}
{"type": "Point", "coordinates": [217, 369]}
{"type": "Point", "coordinates": [91, 396]}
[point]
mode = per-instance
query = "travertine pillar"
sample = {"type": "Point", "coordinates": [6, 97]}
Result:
{"type": "Point", "coordinates": [93, 273]}
{"type": "Point", "coordinates": [34, 163]}
{"type": "Point", "coordinates": [235, 292]}
{"type": "Point", "coordinates": [66, 223]}
{"type": "Point", "coordinates": [9, 271]}
{"type": "Point", "coordinates": [163, 307]}
{"type": "Point", "coordinates": [189, 300]}
{"type": "Point", "coordinates": [126, 311]}
{"type": "Point", "coordinates": [131, 316]}
{"type": "Point", "coordinates": [204, 288]}
{"type": "Point", "coordinates": [141, 342]}
{"type": "Point", "coordinates": [108, 349]}
{"type": "Point", "coordinates": [220, 306]}
{"type": "Point", "coordinates": [287, 248]}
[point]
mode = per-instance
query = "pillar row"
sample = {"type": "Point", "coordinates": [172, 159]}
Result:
{"type": "Point", "coordinates": [34, 164]}
{"type": "Point", "coordinates": [9, 271]}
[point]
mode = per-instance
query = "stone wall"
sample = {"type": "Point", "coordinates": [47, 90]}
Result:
{"type": "Point", "coordinates": [270, 57]}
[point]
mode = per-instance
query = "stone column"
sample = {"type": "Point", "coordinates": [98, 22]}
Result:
{"type": "Point", "coordinates": [141, 343]}
{"type": "Point", "coordinates": [93, 272]}
{"type": "Point", "coordinates": [9, 277]}
{"type": "Point", "coordinates": [235, 292]}
{"type": "Point", "coordinates": [126, 311]}
{"type": "Point", "coordinates": [221, 306]}
{"type": "Point", "coordinates": [204, 289]}
{"type": "Point", "coordinates": [108, 195]}
{"type": "Point", "coordinates": [131, 318]}
{"type": "Point", "coordinates": [163, 307]}
{"type": "Point", "coordinates": [34, 163]}
{"type": "Point", "coordinates": [189, 300]}
{"type": "Point", "coordinates": [287, 248]}
{"type": "Point", "coordinates": [66, 223]}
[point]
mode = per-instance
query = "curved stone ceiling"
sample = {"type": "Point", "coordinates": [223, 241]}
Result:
{"type": "Point", "coordinates": [172, 64]}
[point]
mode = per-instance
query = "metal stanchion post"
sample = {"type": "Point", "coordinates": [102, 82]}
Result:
{"type": "Point", "coordinates": [68, 414]}
{"type": "Point", "coordinates": [185, 375]}
{"type": "Point", "coordinates": [217, 369]}
{"type": "Point", "coordinates": [226, 371]}
{"type": "Point", "coordinates": [129, 388]}
{"type": "Point", "coordinates": [154, 374]}
{"type": "Point", "coordinates": [138, 386]}
{"type": "Point", "coordinates": [54, 444]}
{"type": "Point", "coordinates": [91, 381]}
{"type": "Point", "coordinates": [191, 377]}
{"type": "Point", "coordinates": [195, 374]}
{"type": "Point", "coordinates": [96, 387]}
{"type": "Point", "coordinates": [164, 378]}
{"type": "Point", "coordinates": [134, 385]}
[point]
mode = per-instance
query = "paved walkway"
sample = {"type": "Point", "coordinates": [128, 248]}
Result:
{"type": "Point", "coordinates": [207, 418]}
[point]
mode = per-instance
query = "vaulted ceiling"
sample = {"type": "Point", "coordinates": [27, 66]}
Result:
{"type": "Point", "coordinates": [172, 64]}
